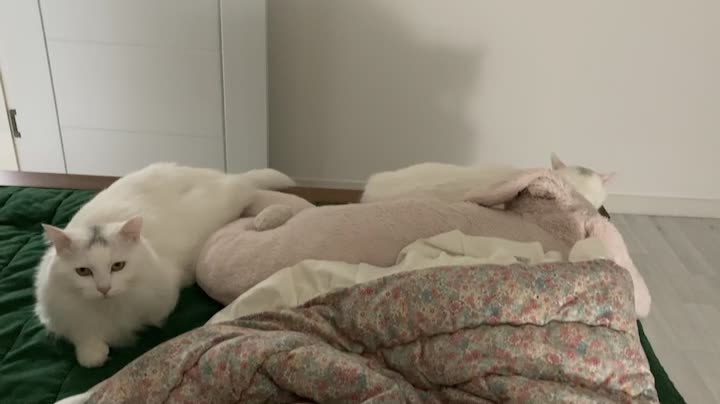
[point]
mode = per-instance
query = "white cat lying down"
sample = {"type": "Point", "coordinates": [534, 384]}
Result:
{"type": "Point", "coordinates": [451, 182]}
{"type": "Point", "coordinates": [121, 261]}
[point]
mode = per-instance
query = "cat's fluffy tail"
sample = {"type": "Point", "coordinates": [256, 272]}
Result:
{"type": "Point", "coordinates": [267, 178]}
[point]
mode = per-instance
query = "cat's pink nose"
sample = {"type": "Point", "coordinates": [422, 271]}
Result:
{"type": "Point", "coordinates": [103, 289]}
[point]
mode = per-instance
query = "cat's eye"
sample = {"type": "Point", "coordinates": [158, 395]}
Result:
{"type": "Point", "coordinates": [117, 266]}
{"type": "Point", "coordinates": [83, 271]}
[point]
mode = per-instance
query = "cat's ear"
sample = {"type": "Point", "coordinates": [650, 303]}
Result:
{"type": "Point", "coordinates": [58, 238]}
{"type": "Point", "coordinates": [556, 162]}
{"type": "Point", "coordinates": [130, 230]}
{"type": "Point", "coordinates": [607, 177]}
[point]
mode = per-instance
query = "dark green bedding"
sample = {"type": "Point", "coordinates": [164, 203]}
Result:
{"type": "Point", "coordinates": [35, 368]}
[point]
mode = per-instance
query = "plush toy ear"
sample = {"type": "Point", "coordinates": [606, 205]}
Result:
{"type": "Point", "coordinates": [261, 199]}
{"type": "Point", "coordinates": [556, 162]}
{"type": "Point", "coordinates": [58, 238]}
{"type": "Point", "coordinates": [273, 216]}
{"type": "Point", "coordinates": [130, 230]}
{"type": "Point", "coordinates": [607, 177]}
{"type": "Point", "coordinates": [504, 191]}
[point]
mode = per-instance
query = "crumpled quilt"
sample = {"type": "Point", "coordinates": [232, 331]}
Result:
{"type": "Point", "coordinates": [545, 333]}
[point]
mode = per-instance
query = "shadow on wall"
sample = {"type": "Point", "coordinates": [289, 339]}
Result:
{"type": "Point", "coordinates": [352, 91]}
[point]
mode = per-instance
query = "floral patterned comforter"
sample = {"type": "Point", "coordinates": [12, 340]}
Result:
{"type": "Point", "coordinates": [559, 332]}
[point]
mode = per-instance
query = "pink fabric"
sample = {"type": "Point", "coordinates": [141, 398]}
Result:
{"type": "Point", "coordinates": [238, 256]}
{"type": "Point", "coordinates": [600, 228]}
{"type": "Point", "coordinates": [539, 206]}
{"type": "Point", "coordinates": [505, 191]}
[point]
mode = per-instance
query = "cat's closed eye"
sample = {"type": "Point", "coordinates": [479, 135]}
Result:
{"type": "Point", "coordinates": [83, 271]}
{"type": "Point", "coordinates": [117, 266]}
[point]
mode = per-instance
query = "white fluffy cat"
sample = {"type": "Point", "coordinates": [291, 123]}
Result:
{"type": "Point", "coordinates": [121, 261]}
{"type": "Point", "coordinates": [450, 182]}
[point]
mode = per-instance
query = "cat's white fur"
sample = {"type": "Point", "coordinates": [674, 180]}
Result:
{"type": "Point", "coordinates": [155, 221]}
{"type": "Point", "coordinates": [450, 182]}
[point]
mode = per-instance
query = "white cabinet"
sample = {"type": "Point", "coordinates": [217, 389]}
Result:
{"type": "Point", "coordinates": [28, 86]}
{"type": "Point", "coordinates": [130, 82]}
{"type": "Point", "coordinates": [8, 158]}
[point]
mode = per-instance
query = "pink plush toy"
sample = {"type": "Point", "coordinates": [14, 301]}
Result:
{"type": "Point", "coordinates": [539, 207]}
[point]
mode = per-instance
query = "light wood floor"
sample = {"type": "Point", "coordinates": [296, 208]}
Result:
{"type": "Point", "coordinates": [680, 261]}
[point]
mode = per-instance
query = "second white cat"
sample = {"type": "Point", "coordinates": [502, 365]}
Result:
{"type": "Point", "coordinates": [450, 182]}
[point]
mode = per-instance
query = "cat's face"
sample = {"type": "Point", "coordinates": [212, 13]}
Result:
{"type": "Point", "coordinates": [587, 182]}
{"type": "Point", "coordinates": [99, 262]}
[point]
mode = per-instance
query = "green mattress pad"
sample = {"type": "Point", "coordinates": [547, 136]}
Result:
{"type": "Point", "coordinates": [38, 368]}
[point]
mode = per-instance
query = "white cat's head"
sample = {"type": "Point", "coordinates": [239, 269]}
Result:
{"type": "Point", "coordinates": [98, 262]}
{"type": "Point", "coordinates": [587, 182]}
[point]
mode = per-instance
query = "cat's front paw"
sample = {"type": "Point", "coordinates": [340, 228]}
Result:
{"type": "Point", "coordinates": [92, 354]}
{"type": "Point", "coordinates": [158, 322]}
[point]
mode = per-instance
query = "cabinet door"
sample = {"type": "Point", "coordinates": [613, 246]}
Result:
{"type": "Point", "coordinates": [28, 87]}
{"type": "Point", "coordinates": [244, 42]}
{"type": "Point", "coordinates": [8, 158]}
{"type": "Point", "coordinates": [106, 87]}
{"type": "Point", "coordinates": [136, 82]}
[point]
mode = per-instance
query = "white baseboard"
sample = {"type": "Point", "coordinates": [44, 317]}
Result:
{"type": "Point", "coordinates": [616, 203]}
{"type": "Point", "coordinates": [663, 206]}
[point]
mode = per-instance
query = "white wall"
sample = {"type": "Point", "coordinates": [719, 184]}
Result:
{"type": "Point", "coordinates": [362, 86]}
